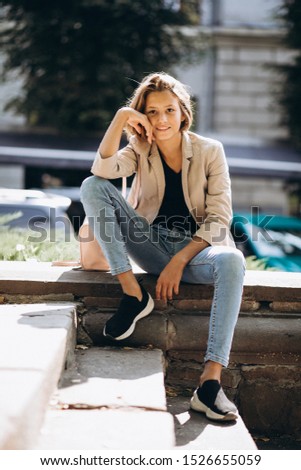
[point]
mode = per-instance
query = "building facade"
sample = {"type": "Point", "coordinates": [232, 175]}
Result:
{"type": "Point", "coordinates": [236, 86]}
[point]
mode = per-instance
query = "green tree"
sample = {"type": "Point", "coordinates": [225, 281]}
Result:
{"type": "Point", "coordinates": [80, 59]}
{"type": "Point", "coordinates": [290, 99]}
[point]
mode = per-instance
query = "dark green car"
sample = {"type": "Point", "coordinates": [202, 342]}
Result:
{"type": "Point", "coordinates": [274, 238]}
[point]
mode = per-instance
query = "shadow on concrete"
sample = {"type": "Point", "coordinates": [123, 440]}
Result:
{"type": "Point", "coordinates": [192, 429]}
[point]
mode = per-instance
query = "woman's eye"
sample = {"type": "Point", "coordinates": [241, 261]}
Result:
{"type": "Point", "coordinates": [170, 110]}
{"type": "Point", "coordinates": [151, 112]}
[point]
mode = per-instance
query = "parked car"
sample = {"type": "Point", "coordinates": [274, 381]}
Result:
{"type": "Point", "coordinates": [34, 210]}
{"type": "Point", "coordinates": [275, 238]}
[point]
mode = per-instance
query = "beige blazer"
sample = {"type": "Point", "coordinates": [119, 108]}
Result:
{"type": "Point", "coordinates": [205, 181]}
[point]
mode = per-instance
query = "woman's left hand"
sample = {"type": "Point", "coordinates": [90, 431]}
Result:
{"type": "Point", "coordinates": [169, 280]}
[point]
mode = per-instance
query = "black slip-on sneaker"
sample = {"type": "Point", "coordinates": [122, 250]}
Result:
{"type": "Point", "coordinates": [122, 324]}
{"type": "Point", "coordinates": [211, 400]}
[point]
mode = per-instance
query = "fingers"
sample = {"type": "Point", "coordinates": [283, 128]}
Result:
{"type": "Point", "coordinates": [165, 291]}
{"type": "Point", "coordinates": [146, 129]}
{"type": "Point", "coordinates": [141, 124]}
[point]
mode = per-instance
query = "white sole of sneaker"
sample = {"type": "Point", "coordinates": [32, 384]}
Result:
{"type": "Point", "coordinates": [197, 405]}
{"type": "Point", "coordinates": [146, 311]}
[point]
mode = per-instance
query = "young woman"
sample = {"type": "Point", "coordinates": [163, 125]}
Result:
{"type": "Point", "coordinates": [175, 223]}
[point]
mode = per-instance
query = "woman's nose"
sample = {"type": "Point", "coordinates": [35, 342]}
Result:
{"type": "Point", "coordinates": [162, 117]}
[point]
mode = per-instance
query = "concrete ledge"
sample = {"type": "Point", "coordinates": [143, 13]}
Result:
{"type": "Point", "coordinates": [35, 341]}
{"type": "Point", "coordinates": [40, 279]}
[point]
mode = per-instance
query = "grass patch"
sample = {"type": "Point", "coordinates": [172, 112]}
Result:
{"type": "Point", "coordinates": [19, 245]}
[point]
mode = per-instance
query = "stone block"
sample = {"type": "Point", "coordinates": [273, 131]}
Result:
{"type": "Point", "coordinates": [226, 54]}
{"type": "Point", "coordinates": [225, 86]}
{"type": "Point", "coordinates": [267, 335]}
{"type": "Point", "coordinates": [188, 332]}
{"type": "Point", "coordinates": [257, 55]}
{"type": "Point", "coordinates": [270, 358]}
{"type": "Point", "coordinates": [161, 304]}
{"type": "Point", "coordinates": [231, 377]}
{"type": "Point", "coordinates": [264, 103]}
{"type": "Point", "coordinates": [249, 306]}
{"type": "Point", "coordinates": [101, 302]}
{"type": "Point", "coordinates": [234, 101]}
{"type": "Point", "coordinates": [192, 305]}
{"type": "Point", "coordinates": [269, 408]}
{"type": "Point", "coordinates": [256, 118]}
{"type": "Point", "coordinates": [290, 307]}
{"type": "Point", "coordinates": [225, 117]}
{"type": "Point", "coordinates": [253, 87]}
{"type": "Point", "coordinates": [184, 368]}
{"type": "Point", "coordinates": [236, 72]}
{"type": "Point", "coordinates": [280, 374]}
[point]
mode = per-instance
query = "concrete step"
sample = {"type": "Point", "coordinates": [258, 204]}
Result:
{"type": "Point", "coordinates": [110, 399]}
{"type": "Point", "coordinates": [35, 343]}
{"type": "Point", "coordinates": [194, 432]}
{"type": "Point", "coordinates": [115, 399]}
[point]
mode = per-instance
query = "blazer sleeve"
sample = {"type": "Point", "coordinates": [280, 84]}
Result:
{"type": "Point", "coordinates": [122, 163]}
{"type": "Point", "coordinates": [218, 201]}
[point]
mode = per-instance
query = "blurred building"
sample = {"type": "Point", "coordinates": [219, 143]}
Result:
{"type": "Point", "coordinates": [235, 89]}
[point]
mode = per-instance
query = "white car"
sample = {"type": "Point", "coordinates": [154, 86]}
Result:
{"type": "Point", "coordinates": [34, 210]}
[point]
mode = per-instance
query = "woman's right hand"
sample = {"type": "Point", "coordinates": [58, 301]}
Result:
{"type": "Point", "coordinates": [111, 140]}
{"type": "Point", "coordinates": [139, 122]}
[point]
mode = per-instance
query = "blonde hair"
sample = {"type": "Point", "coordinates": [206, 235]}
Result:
{"type": "Point", "coordinates": [160, 81]}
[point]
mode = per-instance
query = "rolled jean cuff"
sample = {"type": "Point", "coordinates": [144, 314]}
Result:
{"type": "Point", "coordinates": [121, 270]}
{"type": "Point", "coordinates": [215, 358]}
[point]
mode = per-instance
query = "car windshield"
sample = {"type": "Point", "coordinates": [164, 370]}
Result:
{"type": "Point", "coordinates": [278, 243]}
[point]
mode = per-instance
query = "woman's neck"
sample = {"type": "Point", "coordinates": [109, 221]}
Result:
{"type": "Point", "coordinates": [171, 150]}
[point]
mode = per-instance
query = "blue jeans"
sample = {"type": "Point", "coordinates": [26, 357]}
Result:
{"type": "Point", "coordinates": [122, 233]}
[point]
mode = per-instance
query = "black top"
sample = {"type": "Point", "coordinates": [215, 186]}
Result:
{"type": "Point", "coordinates": [174, 213]}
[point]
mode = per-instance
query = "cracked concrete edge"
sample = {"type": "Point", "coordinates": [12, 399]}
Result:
{"type": "Point", "coordinates": [32, 388]}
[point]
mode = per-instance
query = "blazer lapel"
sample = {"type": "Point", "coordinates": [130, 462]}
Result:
{"type": "Point", "coordinates": [187, 154]}
{"type": "Point", "coordinates": [155, 160]}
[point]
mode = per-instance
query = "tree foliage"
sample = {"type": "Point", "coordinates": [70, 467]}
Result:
{"type": "Point", "coordinates": [80, 59]}
{"type": "Point", "coordinates": [291, 92]}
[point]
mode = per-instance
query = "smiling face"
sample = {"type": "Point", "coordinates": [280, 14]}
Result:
{"type": "Point", "coordinates": [164, 113]}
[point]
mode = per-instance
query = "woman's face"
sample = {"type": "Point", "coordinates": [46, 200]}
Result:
{"type": "Point", "coordinates": [164, 113]}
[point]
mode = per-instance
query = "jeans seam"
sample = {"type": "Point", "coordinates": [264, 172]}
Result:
{"type": "Point", "coordinates": [213, 315]}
